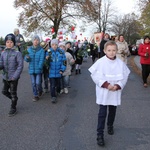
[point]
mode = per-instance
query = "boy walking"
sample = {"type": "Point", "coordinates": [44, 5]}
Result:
{"type": "Point", "coordinates": [110, 75]}
{"type": "Point", "coordinates": [11, 62]}
{"type": "Point", "coordinates": [57, 65]}
{"type": "Point", "coordinates": [66, 74]}
{"type": "Point", "coordinates": [35, 58]}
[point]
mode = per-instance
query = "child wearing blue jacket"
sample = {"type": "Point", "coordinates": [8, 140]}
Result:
{"type": "Point", "coordinates": [57, 65]}
{"type": "Point", "coordinates": [35, 58]}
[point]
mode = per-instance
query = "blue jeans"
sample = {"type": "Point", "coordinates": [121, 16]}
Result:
{"type": "Point", "coordinates": [102, 117]}
{"type": "Point", "coordinates": [36, 83]}
{"type": "Point", "coordinates": [66, 81]}
{"type": "Point", "coordinates": [55, 86]}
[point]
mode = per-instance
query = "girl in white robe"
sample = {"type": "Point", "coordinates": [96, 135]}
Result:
{"type": "Point", "coordinates": [110, 75]}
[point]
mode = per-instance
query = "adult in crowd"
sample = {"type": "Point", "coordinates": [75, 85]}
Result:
{"type": "Point", "coordinates": [20, 42]}
{"type": "Point", "coordinates": [123, 50]}
{"type": "Point", "coordinates": [102, 43]}
{"type": "Point", "coordinates": [144, 52]}
{"type": "Point", "coordinates": [94, 50]}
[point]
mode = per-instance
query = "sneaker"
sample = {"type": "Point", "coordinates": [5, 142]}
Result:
{"type": "Point", "coordinates": [100, 140]}
{"type": "Point", "coordinates": [61, 91]}
{"type": "Point", "coordinates": [110, 130]}
{"type": "Point", "coordinates": [36, 98]}
{"type": "Point", "coordinates": [40, 94]}
{"type": "Point", "coordinates": [65, 90]}
{"type": "Point", "coordinates": [12, 112]}
{"type": "Point", "coordinates": [53, 100]}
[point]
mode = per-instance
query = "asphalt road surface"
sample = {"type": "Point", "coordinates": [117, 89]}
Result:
{"type": "Point", "coordinates": [71, 123]}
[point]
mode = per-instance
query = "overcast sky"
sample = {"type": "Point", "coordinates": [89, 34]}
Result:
{"type": "Point", "coordinates": [8, 14]}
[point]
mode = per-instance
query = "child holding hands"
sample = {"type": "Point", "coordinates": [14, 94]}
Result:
{"type": "Point", "coordinates": [110, 75]}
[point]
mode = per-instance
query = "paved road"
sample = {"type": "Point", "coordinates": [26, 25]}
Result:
{"type": "Point", "coordinates": [71, 123]}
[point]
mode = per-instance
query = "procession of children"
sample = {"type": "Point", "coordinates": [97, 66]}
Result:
{"type": "Point", "coordinates": [50, 65]}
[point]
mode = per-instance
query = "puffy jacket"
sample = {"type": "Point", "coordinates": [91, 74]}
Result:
{"type": "Point", "coordinates": [57, 62]}
{"type": "Point", "coordinates": [36, 60]}
{"type": "Point", "coordinates": [69, 60]}
{"type": "Point", "coordinates": [123, 51]}
{"type": "Point", "coordinates": [11, 62]}
{"type": "Point", "coordinates": [143, 49]}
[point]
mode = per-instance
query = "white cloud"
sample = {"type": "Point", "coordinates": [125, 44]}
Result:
{"type": "Point", "coordinates": [125, 6]}
{"type": "Point", "coordinates": [9, 15]}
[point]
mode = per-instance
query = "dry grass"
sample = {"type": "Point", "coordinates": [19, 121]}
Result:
{"type": "Point", "coordinates": [136, 68]}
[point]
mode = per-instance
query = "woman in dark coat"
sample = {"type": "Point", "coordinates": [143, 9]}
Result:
{"type": "Point", "coordinates": [102, 43]}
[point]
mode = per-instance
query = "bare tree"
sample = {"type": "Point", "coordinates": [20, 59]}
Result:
{"type": "Point", "coordinates": [97, 13]}
{"type": "Point", "coordinates": [142, 3]}
{"type": "Point", "coordinates": [127, 25]}
{"type": "Point", "coordinates": [42, 15]}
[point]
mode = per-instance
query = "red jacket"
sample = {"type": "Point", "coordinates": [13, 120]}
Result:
{"type": "Point", "coordinates": [143, 49]}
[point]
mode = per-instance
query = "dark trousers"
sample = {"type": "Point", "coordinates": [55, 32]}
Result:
{"type": "Point", "coordinates": [10, 91]}
{"type": "Point", "coordinates": [93, 57]}
{"type": "Point", "coordinates": [55, 86]}
{"type": "Point", "coordinates": [145, 72]}
{"type": "Point", "coordinates": [45, 77]}
{"type": "Point", "coordinates": [102, 117]}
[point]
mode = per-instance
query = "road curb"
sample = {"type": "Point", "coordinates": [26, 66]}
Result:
{"type": "Point", "coordinates": [136, 67]}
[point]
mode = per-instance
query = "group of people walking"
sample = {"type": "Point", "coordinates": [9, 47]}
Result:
{"type": "Point", "coordinates": [122, 53]}
{"type": "Point", "coordinates": [53, 62]}
{"type": "Point", "coordinates": [110, 74]}
{"type": "Point", "coordinates": [49, 62]}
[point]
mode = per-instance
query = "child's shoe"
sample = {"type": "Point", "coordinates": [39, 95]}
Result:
{"type": "Point", "coordinates": [35, 98]}
{"type": "Point", "coordinates": [53, 100]}
{"type": "Point", "coordinates": [40, 94]}
{"type": "Point", "coordinates": [65, 90]}
{"type": "Point", "coordinates": [110, 130]}
{"type": "Point", "coordinates": [61, 91]}
{"type": "Point", "coordinates": [100, 140]}
{"type": "Point", "coordinates": [79, 71]}
{"type": "Point", "coordinates": [12, 112]}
